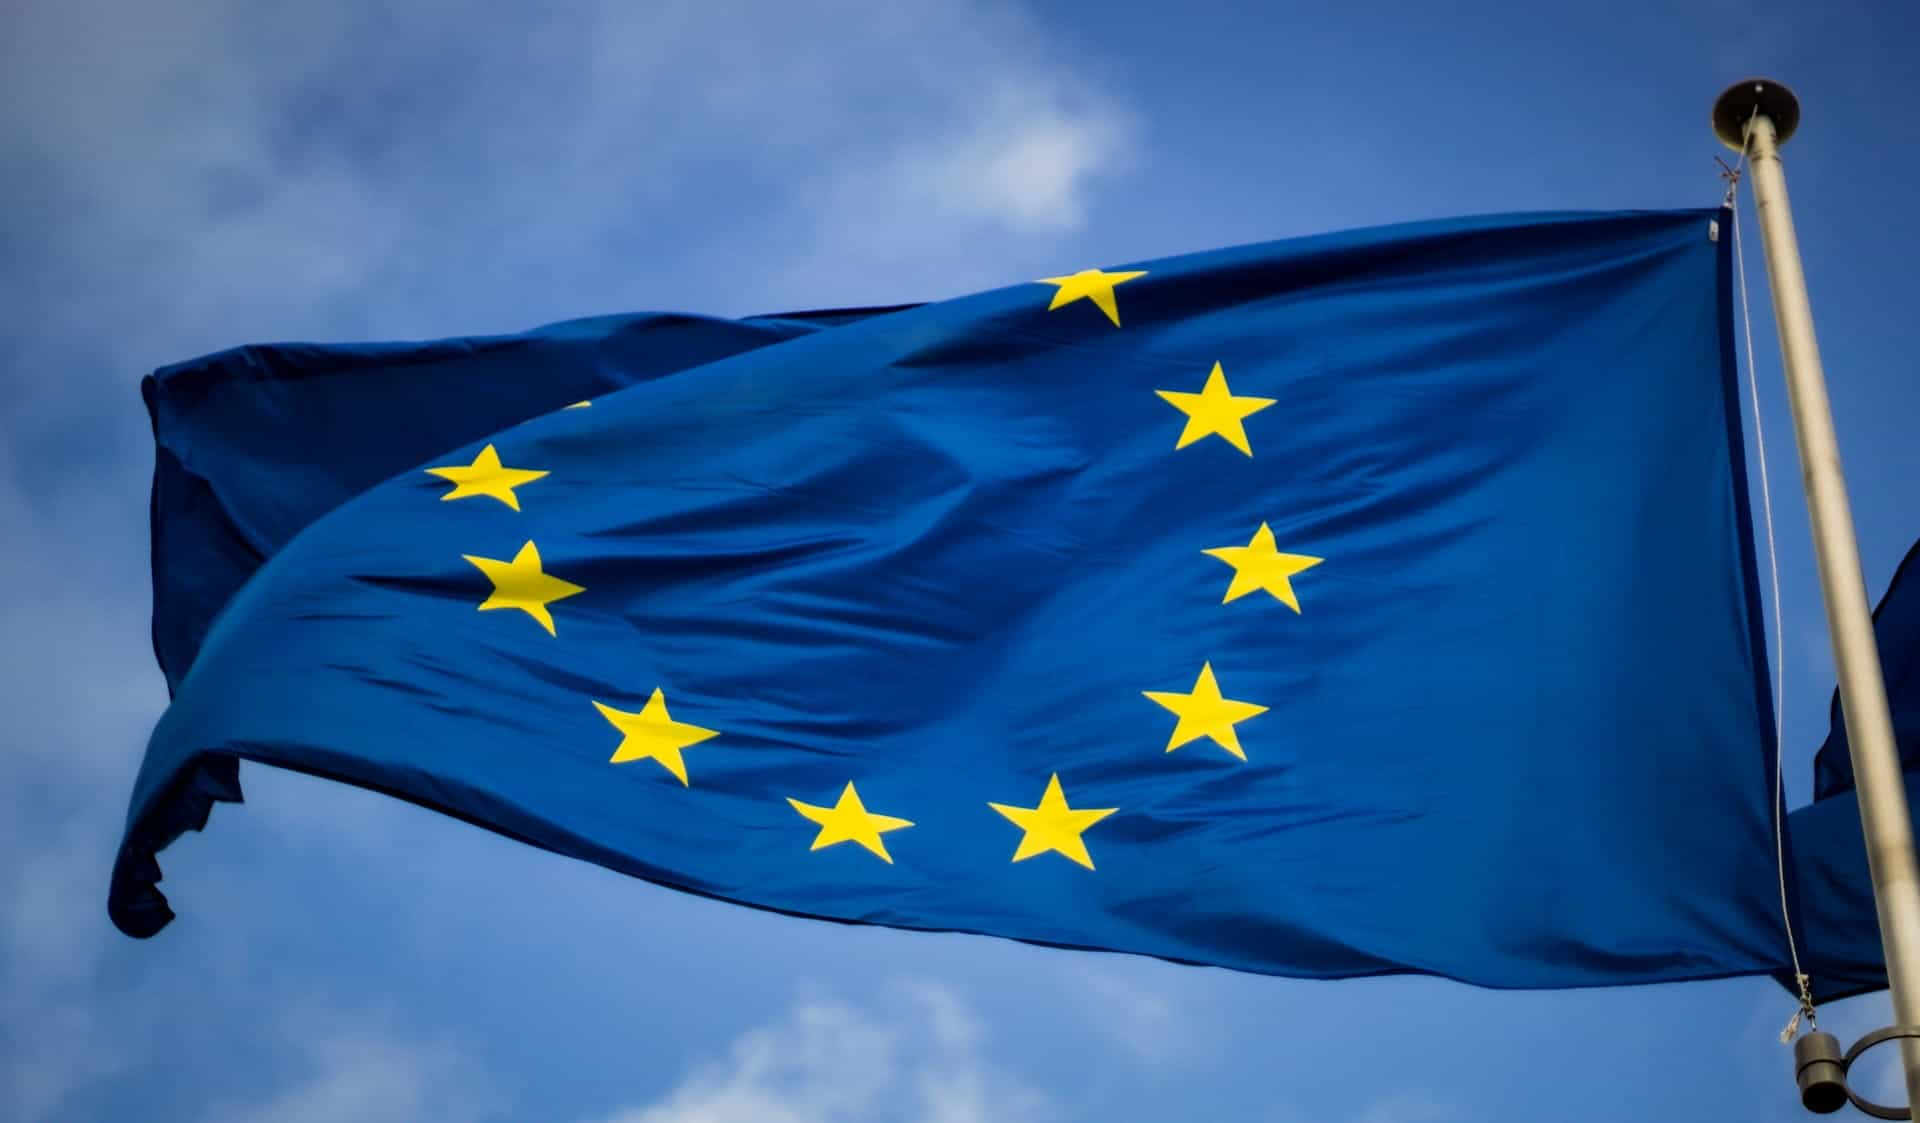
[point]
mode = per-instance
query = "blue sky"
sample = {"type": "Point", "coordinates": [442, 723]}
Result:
{"type": "Point", "coordinates": [180, 177]}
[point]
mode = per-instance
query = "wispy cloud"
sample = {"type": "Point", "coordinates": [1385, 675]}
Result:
{"type": "Point", "coordinates": [915, 1058]}
{"type": "Point", "coordinates": [52, 1051]}
{"type": "Point", "coordinates": [78, 691]}
{"type": "Point", "coordinates": [1407, 1109]}
{"type": "Point", "coordinates": [225, 170]}
{"type": "Point", "coordinates": [1401, 1107]}
{"type": "Point", "coordinates": [1126, 1005]}
{"type": "Point", "coordinates": [352, 1066]}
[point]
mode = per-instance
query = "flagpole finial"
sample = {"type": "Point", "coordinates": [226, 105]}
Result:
{"type": "Point", "coordinates": [1735, 107]}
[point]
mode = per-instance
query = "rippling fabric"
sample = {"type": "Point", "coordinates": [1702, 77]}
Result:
{"type": "Point", "coordinates": [254, 443]}
{"type": "Point", "coordinates": [1366, 603]}
{"type": "Point", "coordinates": [1839, 930]}
{"type": "Point", "coordinates": [1841, 950]}
{"type": "Point", "coordinates": [1896, 630]}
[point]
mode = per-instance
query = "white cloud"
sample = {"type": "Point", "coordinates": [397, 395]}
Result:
{"type": "Point", "coordinates": [1125, 1004]}
{"type": "Point", "coordinates": [917, 1060]}
{"type": "Point", "coordinates": [355, 1068]}
{"type": "Point", "coordinates": [1024, 161]}
{"type": "Point", "coordinates": [1400, 1107]}
{"type": "Point", "coordinates": [54, 1052]}
{"type": "Point", "coordinates": [79, 691]}
{"type": "Point", "coordinates": [221, 171]}
{"type": "Point", "coordinates": [1406, 1109]}
{"type": "Point", "coordinates": [1019, 162]}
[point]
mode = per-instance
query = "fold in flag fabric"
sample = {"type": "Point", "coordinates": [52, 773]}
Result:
{"type": "Point", "coordinates": [1896, 629]}
{"type": "Point", "coordinates": [1375, 602]}
{"type": "Point", "coordinates": [254, 443]}
{"type": "Point", "coordinates": [1840, 940]}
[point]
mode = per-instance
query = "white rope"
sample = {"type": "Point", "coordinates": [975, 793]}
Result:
{"type": "Point", "coordinates": [1773, 567]}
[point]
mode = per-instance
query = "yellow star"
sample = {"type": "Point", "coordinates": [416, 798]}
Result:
{"type": "Point", "coordinates": [850, 821]}
{"type": "Point", "coordinates": [522, 584]}
{"type": "Point", "coordinates": [1053, 825]}
{"type": "Point", "coordinates": [1257, 565]}
{"type": "Point", "coordinates": [1204, 713]}
{"type": "Point", "coordinates": [1089, 284]}
{"type": "Point", "coordinates": [652, 734]}
{"type": "Point", "coordinates": [579, 405]}
{"type": "Point", "coordinates": [1214, 411]}
{"type": "Point", "coordinates": [485, 476]}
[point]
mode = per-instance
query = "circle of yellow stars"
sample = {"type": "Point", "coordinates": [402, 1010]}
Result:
{"type": "Point", "coordinates": [1052, 825]}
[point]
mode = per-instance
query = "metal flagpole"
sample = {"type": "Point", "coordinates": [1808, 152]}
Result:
{"type": "Point", "coordinates": [1757, 116]}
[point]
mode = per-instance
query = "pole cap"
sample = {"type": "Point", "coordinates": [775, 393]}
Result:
{"type": "Point", "coordinates": [1733, 108]}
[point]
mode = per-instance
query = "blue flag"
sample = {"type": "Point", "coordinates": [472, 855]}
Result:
{"type": "Point", "coordinates": [1377, 602]}
{"type": "Point", "coordinates": [1840, 947]}
{"type": "Point", "coordinates": [1896, 630]}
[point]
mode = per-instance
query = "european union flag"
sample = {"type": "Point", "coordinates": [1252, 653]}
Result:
{"type": "Point", "coordinates": [1367, 603]}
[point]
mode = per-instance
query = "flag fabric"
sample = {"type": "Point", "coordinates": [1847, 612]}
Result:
{"type": "Point", "coordinates": [1375, 602]}
{"type": "Point", "coordinates": [1840, 939]}
{"type": "Point", "coordinates": [254, 443]}
{"type": "Point", "coordinates": [1837, 925]}
{"type": "Point", "coordinates": [1896, 629]}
